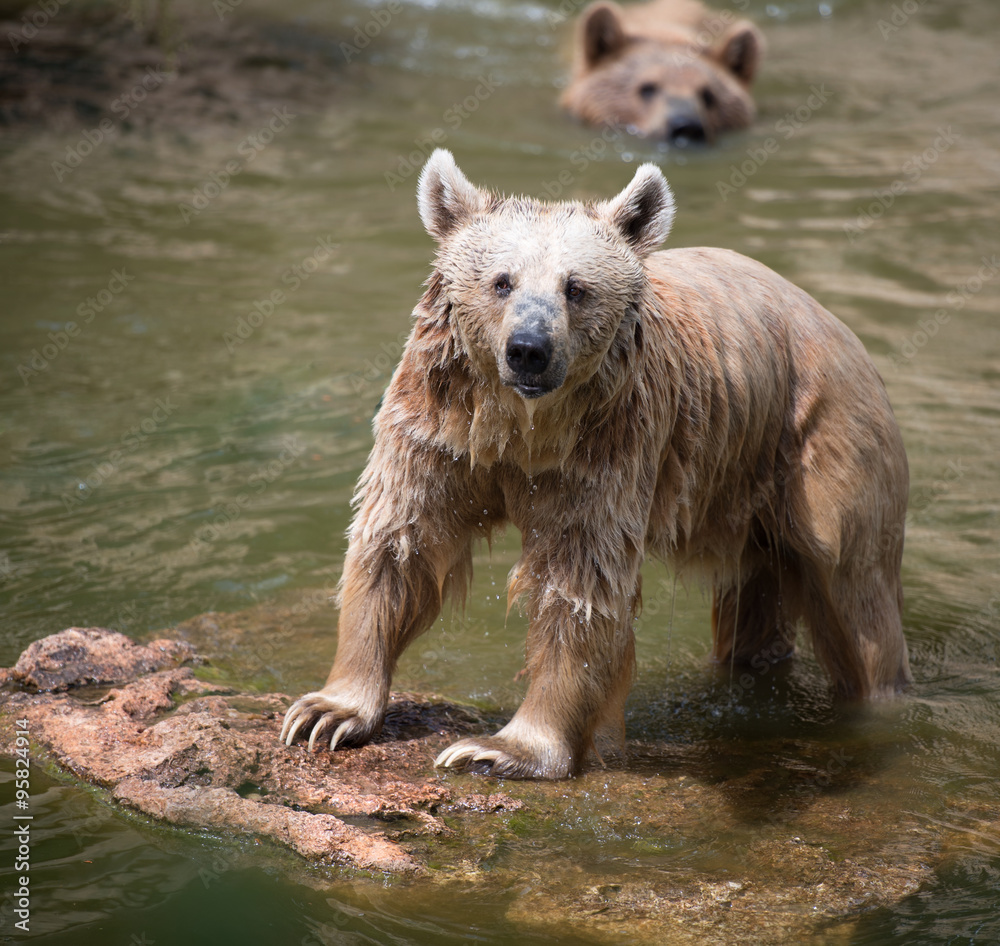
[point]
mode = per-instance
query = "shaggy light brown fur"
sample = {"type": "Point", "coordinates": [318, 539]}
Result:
{"type": "Point", "coordinates": [669, 69]}
{"type": "Point", "coordinates": [613, 402]}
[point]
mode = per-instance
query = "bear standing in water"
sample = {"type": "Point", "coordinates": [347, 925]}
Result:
{"type": "Point", "coordinates": [612, 402]}
{"type": "Point", "coordinates": [670, 70]}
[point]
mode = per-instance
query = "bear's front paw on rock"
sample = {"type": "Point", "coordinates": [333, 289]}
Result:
{"type": "Point", "coordinates": [504, 758]}
{"type": "Point", "coordinates": [321, 714]}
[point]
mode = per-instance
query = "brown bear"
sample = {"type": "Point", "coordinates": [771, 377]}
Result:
{"type": "Point", "coordinates": [670, 70]}
{"type": "Point", "coordinates": [612, 402]}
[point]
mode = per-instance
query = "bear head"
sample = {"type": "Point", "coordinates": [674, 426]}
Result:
{"type": "Point", "coordinates": [680, 86]}
{"type": "Point", "coordinates": [537, 293]}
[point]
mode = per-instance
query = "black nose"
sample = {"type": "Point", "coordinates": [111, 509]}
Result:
{"type": "Point", "coordinates": [529, 353]}
{"type": "Point", "coordinates": [685, 129]}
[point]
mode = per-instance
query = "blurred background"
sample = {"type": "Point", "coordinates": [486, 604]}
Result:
{"type": "Point", "coordinates": [209, 251]}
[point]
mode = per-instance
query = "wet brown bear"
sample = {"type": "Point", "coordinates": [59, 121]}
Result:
{"type": "Point", "coordinates": [669, 69]}
{"type": "Point", "coordinates": [613, 402]}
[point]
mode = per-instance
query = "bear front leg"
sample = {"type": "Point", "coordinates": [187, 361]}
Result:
{"type": "Point", "coordinates": [581, 668]}
{"type": "Point", "coordinates": [385, 603]}
{"type": "Point", "coordinates": [409, 547]}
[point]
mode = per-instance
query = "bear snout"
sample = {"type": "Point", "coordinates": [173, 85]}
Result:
{"type": "Point", "coordinates": [534, 369]}
{"type": "Point", "coordinates": [532, 358]}
{"type": "Point", "coordinates": [529, 353]}
{"type": "Point", "coordinates": [686, 127]}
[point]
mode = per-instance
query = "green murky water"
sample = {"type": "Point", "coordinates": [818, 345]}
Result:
{"type": "Point", "coordinates": [194, 443]}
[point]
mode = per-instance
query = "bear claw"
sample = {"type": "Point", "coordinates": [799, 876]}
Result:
{"type": "Point", "coordinates": [459, 754]}
{"type": "Point", "coordinates": [288, 733]}
{"type": "Point", "coordinates": [316, 713]}
{"type": "Point", "coordinates": [340, 730]}
{"type": "Point", "coordinates": [500, 761]}
{"type": "Point", "coordinates": [463, 754]}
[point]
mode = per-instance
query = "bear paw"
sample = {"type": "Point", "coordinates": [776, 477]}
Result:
{"type": "Point", "coordinates": [319, 713]}
{"type": "Point", "coordinates": [503, 758]}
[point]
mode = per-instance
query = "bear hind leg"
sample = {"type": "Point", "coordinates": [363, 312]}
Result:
{"type": "Point", "coordinates": [755, 619]}
{"type": "Point", "coordinates": [856, 628]}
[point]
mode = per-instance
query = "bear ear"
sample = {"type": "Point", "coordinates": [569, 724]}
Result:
{"type": "Point", "coordinates": [644, 212]}
{"type": "Point", "coordinates": [445, 197]}
{"type": "Point", "coordinates": [602, 32]}
{"type": "Point", "coordinates": [740, 51]}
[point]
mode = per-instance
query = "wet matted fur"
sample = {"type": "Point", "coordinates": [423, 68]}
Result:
{"type": "Point", "coordinates": [612, 402]}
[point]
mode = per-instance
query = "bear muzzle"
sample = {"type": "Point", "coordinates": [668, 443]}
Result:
{"type": "Point", "coordinates": [532, 363]}
{"type": "Point", "coordinates": [686, 129]}
{"type": "Point", "coordinates": [684, 123]}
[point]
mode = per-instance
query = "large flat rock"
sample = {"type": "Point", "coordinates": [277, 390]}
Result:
{"type": "Point", "coordinates": [182, 751]}
{"type": "Point", "coordinates": [137, 721]}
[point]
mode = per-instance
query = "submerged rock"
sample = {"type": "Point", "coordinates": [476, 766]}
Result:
{"type": "Point", "coordinates": [137, 721]}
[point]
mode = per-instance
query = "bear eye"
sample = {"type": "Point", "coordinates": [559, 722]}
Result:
{"type": "Point", "coordinates": [574, 291]}
{"type": "Point", "coordinates": [502, 285]}
{"type": "Point", "coordinates": [708, 98]}
{"type": "Point", "coordinates": [648, 90]}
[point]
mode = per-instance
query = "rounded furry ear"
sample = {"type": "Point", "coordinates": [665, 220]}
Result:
{"type": "Point", "coordinates": [740, 50]}
{"type": "Point", "coordinates": [644, 212]}
{"type": "Point", "coordinates": [602, 32]}
{"type": "Point", "coordinates": [445, 197]}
